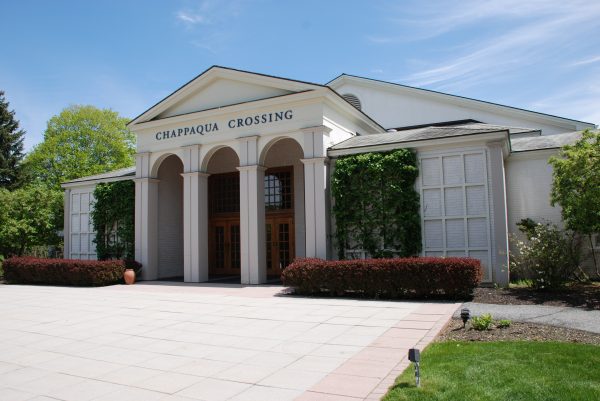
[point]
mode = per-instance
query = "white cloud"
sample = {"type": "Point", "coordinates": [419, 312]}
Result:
{"type": "Point", "coordinates": [529, 40]}
{"type": "Point", "coordinates": [422, 20]}
{"type": "Point", "coordinates": [208, 23]}
{"type": "Point", "coordinates": [191, 18]}
{"type": "Point", "coordinates": [585, 61]}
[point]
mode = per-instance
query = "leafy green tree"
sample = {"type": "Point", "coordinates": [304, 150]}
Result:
{"type": "Point", "coordinates": [11, 147]}
{"type": "Point", "coordinates": [81, 141]}
{"type": "Point", "coordinates": [28, 217]}
{"type": "Point", "coordinates": [576, 185]}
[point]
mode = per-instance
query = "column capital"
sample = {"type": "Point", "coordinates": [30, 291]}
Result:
{"type": "Point", "coordinates": [254, 167]}
{"type": "Point", "coordinates": [195, 174]}
{"type": "Point", "coordinates": [248, 138]}
{"type": "Point", "coordinates": [316, 129]}
{"type": "Point", "coordinates": [192, 146]}
{"type": "Point", "coordinates": [315, 160]}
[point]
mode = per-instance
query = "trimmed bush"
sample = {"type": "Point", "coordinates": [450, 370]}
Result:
{"type": "Point", "coordinates": [426, 277]}
{"type": "Point", "coordinates": [27, 270]}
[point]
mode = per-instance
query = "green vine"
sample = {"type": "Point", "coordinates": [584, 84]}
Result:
{"type": "Point", "coordinates": [113, 217]}
{"type": "Point", "coordinates": [376, 205]}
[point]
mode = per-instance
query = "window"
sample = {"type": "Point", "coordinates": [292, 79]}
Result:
{"type": "Point", "coordinates": [278, 189]}
{"type": "Point", "coordinates": [224, 190]}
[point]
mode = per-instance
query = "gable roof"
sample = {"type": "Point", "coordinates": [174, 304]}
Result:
{"type": "Point", "coordinates": [339, 80]}
{"type": "Point", "coordinates": [210, 75]}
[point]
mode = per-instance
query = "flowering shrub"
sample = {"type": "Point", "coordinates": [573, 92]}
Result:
{"type": "Point", "coordinates": [550, 257]}
{"type": "Point", "coordinates": [27, 270]}
{"type": "Point", "coordinates": [426, 277]}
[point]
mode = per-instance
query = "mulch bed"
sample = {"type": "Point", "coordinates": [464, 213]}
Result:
{"type": "Point", "coordinates": [517, 332]}
{"type": "Point", "coordinates": [579, 295]}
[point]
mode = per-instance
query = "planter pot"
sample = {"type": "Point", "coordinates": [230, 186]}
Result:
{"type": "Point", "coordinates": [129, 276]}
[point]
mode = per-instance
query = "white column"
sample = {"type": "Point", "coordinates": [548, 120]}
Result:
{"type": "Point", "coordinates": [315, 206]}
{"type": "Point", "coordinates": [252, 225]}
{"type": "Point", "coordinates": [500, 272]}
{"type": "Point", "coordinates": [146, 201]}
{"type": "Point", "coordinates": [195, 227]}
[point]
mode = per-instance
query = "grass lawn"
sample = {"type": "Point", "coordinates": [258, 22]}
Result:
{"type": "Point", "coordinates": [499, 371]}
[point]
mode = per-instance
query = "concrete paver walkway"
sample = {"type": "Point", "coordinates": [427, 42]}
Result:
{"type": "Point", "coordinates": [568, 317]}
{"type": "Point", "coordinates": [175, 342]}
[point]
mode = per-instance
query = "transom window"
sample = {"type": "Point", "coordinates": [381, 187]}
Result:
{"type": "Point", "coordinates": [224, 191]}
{"type": "Point", "coordinates": [278, 189]}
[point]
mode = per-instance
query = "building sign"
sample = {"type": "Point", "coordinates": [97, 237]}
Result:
{"type": "Point", "coordinates": [207, 128]}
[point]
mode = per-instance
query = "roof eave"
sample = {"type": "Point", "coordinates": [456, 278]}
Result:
{"type": "Point", "coordinates": [458, 140]}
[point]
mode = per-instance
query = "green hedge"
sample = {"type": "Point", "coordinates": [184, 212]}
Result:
{"type": "Point", "coordinates": [425, 277]}
{"type": "Point", "coordinates": [27, 270]}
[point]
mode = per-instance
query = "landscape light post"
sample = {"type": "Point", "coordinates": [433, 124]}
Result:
{"type": "Point", "coordinates": [414, 355]}
{"type": "Point", "coordinates": [465, 315]}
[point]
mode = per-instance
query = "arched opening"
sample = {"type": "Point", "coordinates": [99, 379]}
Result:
{"type": "Point", "coordinates": [170, 218]}
{"type": "Point", "coordinates": [284, 204]}
{"type": "Point", "coordinates": [224, 235]}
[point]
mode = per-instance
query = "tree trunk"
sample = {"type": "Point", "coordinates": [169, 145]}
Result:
{"type": "Point", "coordinates": [594, 256]}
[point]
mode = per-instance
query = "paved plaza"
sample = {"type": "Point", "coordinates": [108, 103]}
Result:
{"type": "Point", "coordinates": [183, 342]}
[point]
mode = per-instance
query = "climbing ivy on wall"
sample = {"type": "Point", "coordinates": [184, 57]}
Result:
{"type": "Point", "coordinates": [376, 206]}
{"type": "Point", "coordinates": [113, 217]}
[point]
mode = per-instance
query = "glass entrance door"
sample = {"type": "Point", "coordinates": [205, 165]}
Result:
{"type": "Point", "coordinates": [224, 243]}
{"type": "Point", "coordinates": [224, 225]}
{"type": "Point", "coordinates": [280, 243]}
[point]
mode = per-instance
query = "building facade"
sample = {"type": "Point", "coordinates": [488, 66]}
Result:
{"type": "Point", "coordinates": [233, 171]}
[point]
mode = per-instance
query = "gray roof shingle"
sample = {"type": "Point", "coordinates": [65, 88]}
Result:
{"type": "Point", "coordinates": [425, 133]}
{"type": "Point", "coordinates": [544, 142]}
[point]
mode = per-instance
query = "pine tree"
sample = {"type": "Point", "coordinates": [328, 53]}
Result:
{"type": "Point", "coordinates": [11, 147]}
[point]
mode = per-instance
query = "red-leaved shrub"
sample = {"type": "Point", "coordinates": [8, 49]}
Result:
{"type": "Point", "coordinates": [27, 270]}
{"type": "Point", "coordinates": [425, 277]}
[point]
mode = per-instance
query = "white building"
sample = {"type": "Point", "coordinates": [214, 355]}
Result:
{"type": "Point", "coordinates": [264, 148]}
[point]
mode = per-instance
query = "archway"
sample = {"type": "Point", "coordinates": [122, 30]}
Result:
{"type": "Point", "coordinates": [284, 204]}
{"type": "Point", "coordinates": [170, 218]}
{"type": "Point", "coordinates": [224, 235]}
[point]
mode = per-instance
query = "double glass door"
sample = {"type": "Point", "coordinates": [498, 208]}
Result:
{"type": "Point", "coordinates": [224, 243]}
{"type": "Point", "coordinates": [224, 226]}
{"type": "Point", "coordinates": [280, 243]}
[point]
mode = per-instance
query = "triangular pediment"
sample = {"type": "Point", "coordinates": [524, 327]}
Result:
{"type": "Point", "coordinates": [220, 87]}
{"type": "Point", "coordinates": [221, 93]}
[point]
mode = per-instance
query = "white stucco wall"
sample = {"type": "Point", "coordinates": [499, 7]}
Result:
{"type": "Point", "coordinates": [394, 107]}
{"type": "Point", "coordinates": [529, 183]}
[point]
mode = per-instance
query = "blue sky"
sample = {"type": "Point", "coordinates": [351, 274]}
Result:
{"type": "Point", "coordinates": [127, 55]}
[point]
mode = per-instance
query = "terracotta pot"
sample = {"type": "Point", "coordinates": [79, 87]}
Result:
{"type": "Point", "coordinates": [129, 276]}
